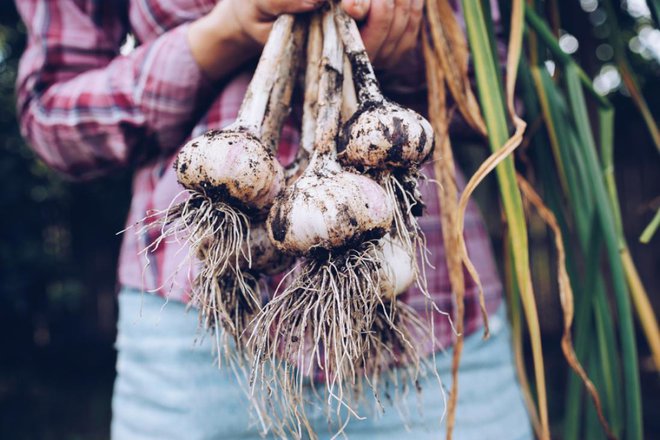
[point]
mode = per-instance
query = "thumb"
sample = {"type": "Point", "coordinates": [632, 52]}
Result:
{"type": "Point", "coordinates": [358, 9]}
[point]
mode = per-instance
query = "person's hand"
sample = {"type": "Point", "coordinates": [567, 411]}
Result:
{"type": "Point", "coordinates": [256, 17]}
{"type": "Point", "coordinates": [390, 28]}
{"type": "Point", "coordinates": [235, 30]}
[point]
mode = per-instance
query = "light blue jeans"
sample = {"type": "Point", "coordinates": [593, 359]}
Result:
{"type": "Point", "coordinates": [168, 387]}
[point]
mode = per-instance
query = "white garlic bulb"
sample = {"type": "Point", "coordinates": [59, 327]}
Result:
{"type": "Point", "coordinates": [398, 271]}
{"type": "Point", "coordinates": [385, 136]}
{"type": "Point", "coordinates": [232, 166]}
{"type": "Point", "coordinates": [329, 208]}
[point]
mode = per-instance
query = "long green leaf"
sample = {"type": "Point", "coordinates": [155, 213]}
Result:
{"type": "Point", "coordinates": [494, 109]}
{"type": "Point", "coordinates": [585, 149]}
{"type": "Point", "coordinates": [632, 391]}
{"type": "Point", "coordinates": [593, 298]}
{"type": "Point", "coordinates": [637, 291]}
{"type": "Point", "coordinates": [649, 231]}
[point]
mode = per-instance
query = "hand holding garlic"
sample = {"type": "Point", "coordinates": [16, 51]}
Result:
{"type": "Point", "coordinates": [344, 210]}
{"type": "Point", "coordinates": [234, 31]}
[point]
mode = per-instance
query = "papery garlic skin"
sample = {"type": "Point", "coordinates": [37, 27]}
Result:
{"type": "Point", "coordinates": [329, 208]}
{"type": "Point", "coordinates": [231, 165]}
{"type": "Point", "coordinates": [385, 135]}
{"type": "Point", "coordinates": [398, 272]}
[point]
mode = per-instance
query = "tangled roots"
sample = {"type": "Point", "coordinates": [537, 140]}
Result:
{"type": "Point", "coordinates": [213, 231]}
{"type": "Point", "coordinates": [227, 304]}
{"type": "Point", "coordinates": [216, 234]}
{"type": "Point", "coordinates": [394, 361]}
{"type": "Point", "coordinates": [316, 325]}
{"type": "Point", "coordinates": [331, 321]}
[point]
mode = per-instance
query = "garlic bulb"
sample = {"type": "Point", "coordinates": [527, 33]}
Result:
{"type": "Point", "coordinates": [260, 255]}
{"type": "Point", "coordinates": [398, 272]}
{"type": "Point", "coordinates": [381, 134]}
{"type": "Point", "coordinates": [232, 166]}
{"type": "Point", "coordinates": [328, 208]}
{"type": "Point", "coordinates": [385, 136]}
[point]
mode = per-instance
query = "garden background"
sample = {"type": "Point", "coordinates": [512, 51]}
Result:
{"type": "Point", "coordinates": [59, 244]}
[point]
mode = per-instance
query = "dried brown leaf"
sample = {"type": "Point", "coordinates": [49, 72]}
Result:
{"type": "Point", "coordinates": [565, 297]}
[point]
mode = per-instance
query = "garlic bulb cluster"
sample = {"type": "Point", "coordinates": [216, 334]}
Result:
{"type": "Point", "coordinates": [344, 212]}
{"type": "Point", "coordinates": [340, 303]}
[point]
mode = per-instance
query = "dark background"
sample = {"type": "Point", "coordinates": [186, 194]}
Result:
{"type": "Point", "coordinates": [58, 251]}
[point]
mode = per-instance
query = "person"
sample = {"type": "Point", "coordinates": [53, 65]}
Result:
{"type": "Point", "coordinates": [89, 108]}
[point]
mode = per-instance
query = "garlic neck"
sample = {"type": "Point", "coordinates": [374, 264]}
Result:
{"type": "Point", "coordinates": [253, 109]}
{"type": "Point", "coordinates": [330, 87]}
{"type": "Point", "coordinates": [364, 76]}
{"type": "Point", "coordinates": [312, 75]}
{"type": "Point", "coordinates": [349, 104]}
{"type": "Point", "coordinates": [324, 161]}
{"type": "Point", "coordinates": [279, 102]}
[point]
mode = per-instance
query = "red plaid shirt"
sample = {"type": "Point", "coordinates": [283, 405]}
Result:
{"type": "Point", "coordinates": [87, 110]}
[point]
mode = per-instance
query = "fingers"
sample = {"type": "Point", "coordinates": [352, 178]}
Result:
{"type": "Point", "coordinates": [397, 29]}
{"type": "Point", "coordinates": [358, 9]}
{"type": "Point", "coordinates": [377, 27]}
{"type": "Point", "coordinates": [390, 29]}
{"type": "Point", "coordinates": [261, 19]}
{"type": "Point", "coordinates": [410, 37]}
{"type": "Point", "coordinates": [273, 8]}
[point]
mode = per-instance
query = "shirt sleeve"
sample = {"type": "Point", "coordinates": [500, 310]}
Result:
{"type": "Point", "coordinates": [85, 108]}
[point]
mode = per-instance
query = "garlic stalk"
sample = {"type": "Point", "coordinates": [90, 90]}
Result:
{"type": "Point", "coordinates": [279, 102]}
{"type": "Point", "coordinates": [311, 81]}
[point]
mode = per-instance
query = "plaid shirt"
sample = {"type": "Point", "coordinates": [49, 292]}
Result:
{"type": "Point", "coordinates": [87, 110]}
